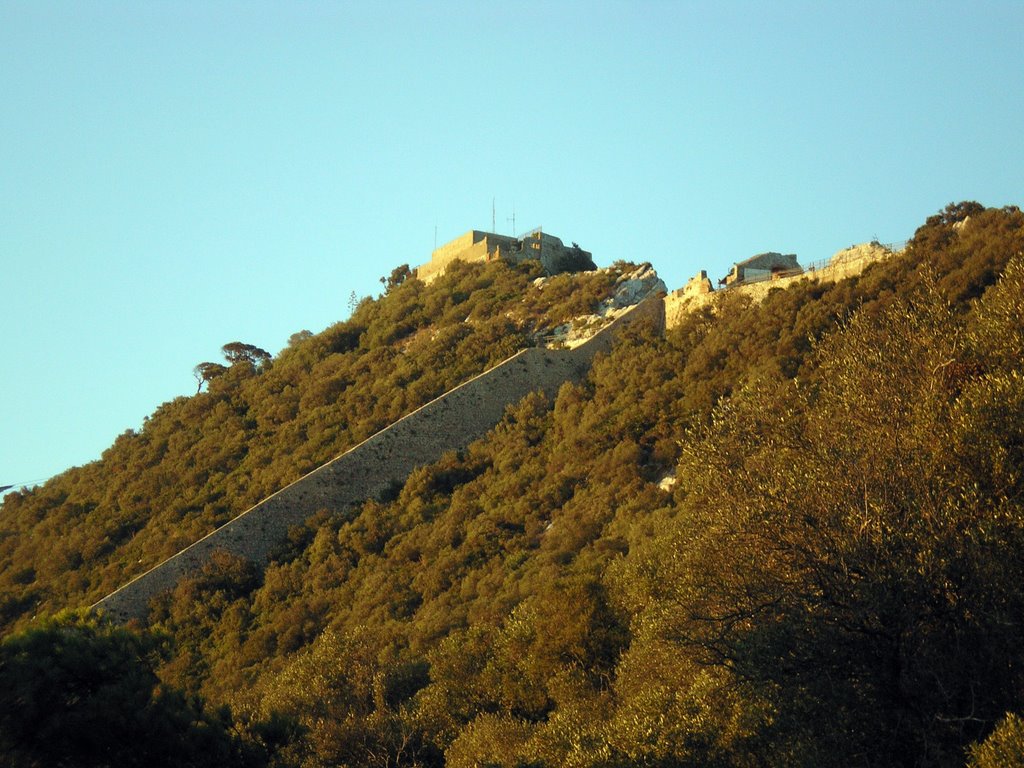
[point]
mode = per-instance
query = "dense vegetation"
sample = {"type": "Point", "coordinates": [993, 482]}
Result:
{"type": "Point", "coordinates": [260, 424]}
{"type": "Point", "coordinates": [833, 579]}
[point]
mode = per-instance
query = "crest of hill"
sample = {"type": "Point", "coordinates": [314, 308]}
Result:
{"type": "Point", "coordinates": [508, 588]}
{"type": "Point", "coordinates": [756, 276]}
{"type": "Point", "coordinates": [198, 461]}
{"type": "Point", "coordinates": [475, 246]}
{"type": "Point", "coordinates": [847, 457]}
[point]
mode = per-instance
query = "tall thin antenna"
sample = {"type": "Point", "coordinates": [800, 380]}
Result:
{"type": "Point", "coordinates": [492, 215]}
{"type": "Point", "coordinates": [513, 219]}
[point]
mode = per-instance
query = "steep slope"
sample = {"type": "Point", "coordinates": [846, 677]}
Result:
{"type": "Point", "coordinates": [384, 461]}
{"type": "Point", "coordinates": [784, 533]}
{"type": "Point", "coordinates": [534, 599]}
{"type": "Point", "coordinates": [198, 461]}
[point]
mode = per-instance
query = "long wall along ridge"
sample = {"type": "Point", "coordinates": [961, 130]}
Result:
{"type": "Point", "coordinates": [450, 422]}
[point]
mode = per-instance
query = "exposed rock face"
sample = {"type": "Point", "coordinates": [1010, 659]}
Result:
{"type": "Point", "coordinates": [634, 286]}
{"type": "Point", "coordinates": [869, 251]}
{"type": "Point", "coordinates": [631, 288]}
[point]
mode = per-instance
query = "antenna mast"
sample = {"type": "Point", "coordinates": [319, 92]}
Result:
{"type": "Point", "coordinates": [513, 219]}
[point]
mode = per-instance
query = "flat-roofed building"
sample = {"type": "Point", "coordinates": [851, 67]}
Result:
{"type": "Point", "coordinates": [477, 246]}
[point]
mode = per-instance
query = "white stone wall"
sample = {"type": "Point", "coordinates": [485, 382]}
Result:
{"type": "Point", "coordinates": [846, 263]}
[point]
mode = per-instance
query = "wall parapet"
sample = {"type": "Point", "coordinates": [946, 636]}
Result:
{"type": "Point", "coordinates": [477, 246]}
{"type": "Point", "coordinates": [450, 422]}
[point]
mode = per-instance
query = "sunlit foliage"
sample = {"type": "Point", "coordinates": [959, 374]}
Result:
{"type": "Point", "coordinates": [833, 579]}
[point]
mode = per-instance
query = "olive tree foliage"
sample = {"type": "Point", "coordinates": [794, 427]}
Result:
{"type": "Point", "coordinates": [492, 740]}
{"type": "Point", "coordinates": [997, 333]}
{"type": "Point", "coordinates": [348, 697]}
{"type": "Point", "coordinates": [841, 580]}
{"type": "Point", "coordinates": [75, 692]}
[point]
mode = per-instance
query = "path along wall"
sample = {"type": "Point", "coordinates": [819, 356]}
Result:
{"type": "Point", "coordinates": [450, 422]}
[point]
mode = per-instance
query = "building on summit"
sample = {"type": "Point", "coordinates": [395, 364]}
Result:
{"type": "Point", "coordinates": [476, 246]}
{"type": "Point", "coordinates": [763, 266]}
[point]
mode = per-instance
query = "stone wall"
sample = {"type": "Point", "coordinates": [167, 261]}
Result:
{"type": "Point", "coordinates": [846, 263]}
{"type": "Point", "coordinates": [762, 265]}
{"type": "Point", "coordinates": [698, 285]}
{"type": "Point", "coordinates": [450, 422]}
{"type": "Point", "coordinates": [551, 252]}
{"type": "Point", "coordinates": [475, 246]}
{"type": "Point", "coordinates": [470, 247]}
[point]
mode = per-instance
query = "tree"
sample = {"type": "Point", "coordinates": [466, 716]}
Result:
{"type": "Point", "coordinates": [954, 213]}
{"type": "Point", "coordinates": [849, 556]}
{"type": "Point", "coordinates": [236, 352]}
{"type": "Point", "coordinates": [398, 276]}
{"type": "Point", "coordinates": [207, 372]}
{"type": "Point", "coordinates": [1004, 748]}
{"type": "Point", "coordinates": [74, 692]}
{"type": "Point", "coordinates": [347, 698]}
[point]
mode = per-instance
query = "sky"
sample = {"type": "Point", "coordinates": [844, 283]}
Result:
{"type": "Point", "coordinates": [178, 175]}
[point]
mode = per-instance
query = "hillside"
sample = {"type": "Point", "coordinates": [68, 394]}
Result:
{"type": "Point", "coordinates": [261, 423]}
{"type": "Point", "coordinates": [783, 533]}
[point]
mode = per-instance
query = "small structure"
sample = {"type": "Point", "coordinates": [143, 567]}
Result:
{"type": "Point", "coordinates": [476, 246]}
{"type": "Point", "coordinates": [698, 285]}
{"type": "Point", "coordinates": [763, 266]}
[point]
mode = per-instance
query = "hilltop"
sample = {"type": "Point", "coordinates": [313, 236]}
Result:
{"type": "Point", "coordinates": [787, 531]}
{"type": "Point", "coordinates": [259, 423]}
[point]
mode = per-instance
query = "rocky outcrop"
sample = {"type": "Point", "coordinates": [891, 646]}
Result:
{"type": "Point", "coordinates": [631, 288]}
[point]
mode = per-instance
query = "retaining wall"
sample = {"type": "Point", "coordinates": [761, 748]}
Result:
{"type": "Point", "coordinates": [450, 422]}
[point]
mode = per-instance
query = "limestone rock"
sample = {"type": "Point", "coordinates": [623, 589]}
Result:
{"type": "Point", "coordinates": [633, 287]}
{"type": "Point", "coordinates": [864, 251]}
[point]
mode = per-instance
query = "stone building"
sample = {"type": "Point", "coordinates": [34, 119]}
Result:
{"type": "Point", "coordinates": [763, 266]}
{"type": "Point", "coordinates": [475, 246]}
{"type": "Point", "coordinates": [698, 285]}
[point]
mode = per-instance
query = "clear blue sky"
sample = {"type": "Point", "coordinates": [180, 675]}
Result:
{"type": "Point", "coordinates": [178, 175]}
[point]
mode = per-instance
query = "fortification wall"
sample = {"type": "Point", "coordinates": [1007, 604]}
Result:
{"type": "Point", "coordinates": [470, 247]}
{"type": "Point", "coordinates": [846, 263]}
{"type": "Point", "coordinates": [450, 422]}
{"type": "Point", "coordinates": [453, 247]}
